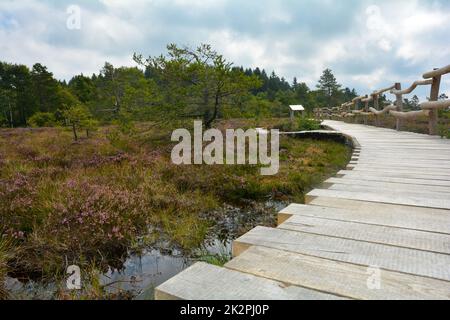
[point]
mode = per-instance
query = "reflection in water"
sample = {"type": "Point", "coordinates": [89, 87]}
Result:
{"type": "Point", "coordinates": [141, 274]}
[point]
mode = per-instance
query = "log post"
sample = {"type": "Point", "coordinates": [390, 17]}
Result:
{"type": "Point", "coordinates": [399, 104]}
{"type": "Point", "coordinates": [366, 109]}
{"type": "Point", "coordinates": [433, 115]}
{"type": "Point", "coordinates": [356, 107]}
{"type": "Point", "coordinates": [377, 107]}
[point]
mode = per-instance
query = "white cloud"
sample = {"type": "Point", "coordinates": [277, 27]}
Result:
{"type": "Point", "coordinates": [367, 43]}
{"type": "Point", "coordinates": [371, 80]}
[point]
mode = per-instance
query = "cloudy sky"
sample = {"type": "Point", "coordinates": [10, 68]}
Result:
{"type": "Point", "coordinates": [368, 44]}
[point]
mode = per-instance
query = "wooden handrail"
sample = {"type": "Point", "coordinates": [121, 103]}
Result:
{"type": "Point", "coordinates": [358, 98]}
{"type": "Point", "coordinates": [377, 93]}
{"type": "Point", "coordinates": [435, 105]}
{"type": "Point", "coordinates": [429, 109]}
{"type": "Point", "coordinates": [437, 72]}
{"type": "Point", "coordinates": [385, 110]}
{"type": "Point", "coordinates": [412, 87]}
{"type": "Point", "coordinates": [408, 115]}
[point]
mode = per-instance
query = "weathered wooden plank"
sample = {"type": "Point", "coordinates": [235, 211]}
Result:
{"type": "Point", "coordinates": [387, 185]}
{"type": "Point", "coordinates": [399, 192]}
{"type": "Point", "coordinates": [401, 199]}
{"type": "Point", "coordinates": [336, 277]}
{"type": "Point", "coordinates": [425, 219]}
{"type": "Point", "coordinates": [421, 240]}
{"type": "Point", "coordinates": [379, 178]}
{"type": "Point", "coordinates": [389, 152]}
{"type": "Point", "coordinates": [364, 167]}
{"type": "Point", "coordinates": [418, 159]}
{"type": "Point", "coordinates": [399, 156]}
{"type": "Point", "coordinates": [411, 261]}
{"type": "Point", "coordinates": [440, 174]}
{"type": "Point", "coordinates": [432, 163]}
{"type": "Point", "coordinates": [397, 174]}
{"type": "Point", "coordinates": [402, 166]}
{"type": "Point", "coordinates": [391, 148]}
{"type": "Point", "coordinates": [206, 282]}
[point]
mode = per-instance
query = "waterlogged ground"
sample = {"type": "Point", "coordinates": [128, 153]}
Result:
{"type": "Point", "coordinates": [141, 273]}
{"type": "Point", "coordinates": [114, 205]}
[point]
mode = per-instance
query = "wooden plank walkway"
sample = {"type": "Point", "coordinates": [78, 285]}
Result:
{"type": "Point", "coordinates": [386, 216]}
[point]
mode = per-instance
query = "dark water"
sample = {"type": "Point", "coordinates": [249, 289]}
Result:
{"type": "Point", "coordinates": [140, 274]}
{"type": "Point", "coordinates": [154, 268]}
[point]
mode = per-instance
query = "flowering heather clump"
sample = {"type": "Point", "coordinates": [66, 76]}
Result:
{"type": "Point", "coordinates": [96, 213]}
{"type": "Point", "coordinates": [27, 152]}
{"type": "Point", "coordinates": [18, 197]}
{"type": "Point", "coordinates": [98, 160]}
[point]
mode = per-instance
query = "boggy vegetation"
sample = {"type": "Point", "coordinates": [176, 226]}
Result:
{"type": "Point", "coordinates": [92, 201]}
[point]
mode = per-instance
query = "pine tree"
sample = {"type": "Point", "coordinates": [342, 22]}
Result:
{"type": "Point", "coordinates": [44, 88]}
{"type": "Point", "coordinates": [329, 87]}
{"type": "Point", "coordinates": [415, 103]}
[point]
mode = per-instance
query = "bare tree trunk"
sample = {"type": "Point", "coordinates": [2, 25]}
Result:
{"type": "Point", "coordinates": [216, 111]}
{"type": "Point", "coordinates": [205, 109]}
{"type": "Point", "coordinates": [11, 116]}
{"type": "Point", "coordinates": [74, 129]}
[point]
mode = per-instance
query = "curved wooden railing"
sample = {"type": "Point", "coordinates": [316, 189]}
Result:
{"type": "Point", "coordinates": [429, 109]}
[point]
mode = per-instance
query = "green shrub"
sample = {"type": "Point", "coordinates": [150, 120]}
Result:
{"type": "Point", "coordinates": [305, 124]}
{"type": "Point", "coordinates": [42, 119]}
{"type": "Point", "coordinates": [301, 124]}
{"type": "Point", "coordinates": [219, 259]}
{"type": "Point", "coordinates": [444, 130]}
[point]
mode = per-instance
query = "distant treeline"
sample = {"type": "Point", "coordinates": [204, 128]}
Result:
{"type": "Point", "coordinates": [184, 83]}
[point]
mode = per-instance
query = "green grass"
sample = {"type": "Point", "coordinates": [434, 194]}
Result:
{"type": "Point", "coordinates": [299, 124]}
{"type": "Point", "coordinates": [87, 203]}
{"type": "Point", "coordinates": [218, 259]}
{"type": "Point", "coordinates": [6, 254]}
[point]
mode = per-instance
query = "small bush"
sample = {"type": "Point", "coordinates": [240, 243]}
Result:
{"type": "Point", "coordinates": [305, 124]}
{"type": "Point", "coordinates": [42, 119]}
{"type": "Point", "coordinates": [300, 124]}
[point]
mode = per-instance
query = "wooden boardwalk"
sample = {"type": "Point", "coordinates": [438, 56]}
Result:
{"type": "Point", "coordinates": [379, 230]}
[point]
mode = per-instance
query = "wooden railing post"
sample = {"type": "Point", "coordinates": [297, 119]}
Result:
{"type": "Point", "coordinates": [366, 109]}
{"type": "Point", "coordinates": [399, 104]}
{"type": "Point", "coordinates": [433, 114]}
{"type": "Point", "coordinates": [430, 108]}
{"type": "Point", "coordinates": [377, 107]}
